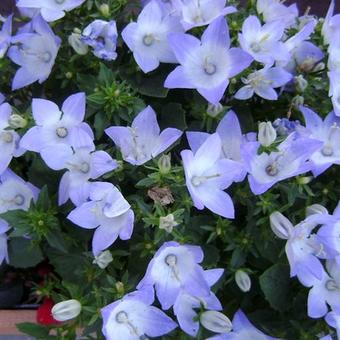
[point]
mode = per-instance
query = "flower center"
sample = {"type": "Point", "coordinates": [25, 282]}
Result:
{"type": "Point", "coordinates": [46, 57]}
{"type": "Point", "coordinates": [209, 68]}
{"type": "Point", "coordinates": [84, 167]}
{"type": "Point", "coordinates": [59, 2]}
{"type": "Point", "coordinates": [19, 199]}
{"type": "Point", "coordinates": [7, 137]}
{"type": "Point", "coordinates": [148, 39]}
{"type": "Point", "coordinates": [62, 132]}
{"type": "Point", "coordinates": [272, 169]}
{"type": "Point", "coordinates": [327, 151]}
{"type": "Point", "coordinates": [331, 285]}
{"type": "Point", "coordinates": [122, 317]}
{"type": "Point", "coordinates": [171, 260]}
{"type": "Point", "coordinates": [255, 47]}
{"type": "Point", "coordinates": [198, 180]}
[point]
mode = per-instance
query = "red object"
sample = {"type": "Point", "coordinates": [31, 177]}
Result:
{"type": "Point", "coordinates": [44, 313]}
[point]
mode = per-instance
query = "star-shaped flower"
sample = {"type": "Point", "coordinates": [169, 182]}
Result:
{"type": "Point", "coordinates": [206, 64]}
{"type": "Point", "coordinates": [143, 140]}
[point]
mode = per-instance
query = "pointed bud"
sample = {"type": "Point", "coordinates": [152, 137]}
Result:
{"type": "Point", "coordinates": [216, 322]}
{"type": "Point", "coordinates": [267, 134]}
{"type": "Point", "coordinates": [316, 209]}
{"type": "Point", "coordinates": [304, 180]}
{"type": "Point", "coordinates": [301, 83]}
{"type": "Point", "coordinates": [280, 225]}
{"type": "Point", "coordinates": [167, 223]}
{"type": "Point", "coordinates": [103, 259]}
{"type": "Point", "coordinates": [104, 10]}
{"type": "Point", "coordinates": [298, 101]}
{"type": "Point", "coordinates": [319, 67]}
{"type": "Point", "coordinates": [164, 164]}
{"type": "Point", "coordinates": [214, 110]}
{"type": "Point", "coordinates": [243, 280]}
{"type": "Point", "coordinates": [66, 310]}
{"type": "Point", "coordinates": [75, 41]}
{"type": "Point", "coordinates": [15, 121]}
{"type": "Point", "coordinates": [120, 287]}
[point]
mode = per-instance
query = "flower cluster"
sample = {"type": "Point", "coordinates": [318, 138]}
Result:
{"type": "Point", "coordinates": [313, 254]}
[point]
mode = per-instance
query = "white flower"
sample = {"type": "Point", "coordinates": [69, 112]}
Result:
{"type": "Point", "coordinates": [167, 223]}
{"type": "Point", "coordinates": [103, 259]}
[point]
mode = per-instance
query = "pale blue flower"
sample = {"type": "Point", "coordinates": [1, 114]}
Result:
{"type": "Point", "coordinates": [291, 159]}
{"type": "Point", "coordinates": [108, 212]}
{"type": "Point", "coordinates": [133, 318]}
{"type": "Point", "coordinates": [175, 268]}
{"type": "Point", "coordinates": [206, 64]}
{"type": "Point", "coordinates": [9, 139]}
{"type": "Point", "coordinates": [264, 43]}
{"type": "Point", "coordinates": [148, 37]}
{"type": "Point", "coordinates": [263, 82]}
{"type": "Point", "coordinates": [207, 175]}
{"type": "Point", "coordinates": [50, 10]}
{"type": "Point", "coordinates": [5, 36]}
{"type": "Point", "coordinates": [143, 140]}
{"type": "Point", "coordinates": [102, 37]}
{"type": "Point", "coordinates": [34, 52]}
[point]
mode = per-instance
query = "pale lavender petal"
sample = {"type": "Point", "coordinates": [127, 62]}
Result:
{"type": "Point", "coordinates": [214, 95]}
{"type": "Point", "coordinates": [177, 79]}
{"type": "Point", "coordinates": [157, 323]}
{"type": "Point", "coordinates": [217, 34]}
{"type": "Point", "coordinates": [56, 156]}
{"type": "Point", "coordinates": [244, 93]}
{"type": "Point", "coordinates": [167, 138]}
{"type": "Point", "coordinates": [74, 107]}
{"type": "Point", "coordinates": [84, 216]}
{"type": "Point", "coordinates": [183, 46]}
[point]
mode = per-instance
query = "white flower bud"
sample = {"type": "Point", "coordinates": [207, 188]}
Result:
{"type": "Point", "coordinates": [316, 209]}
{"type": "Point", "coordinates": [243, 280]}
{"type": "Point", "coordinates": [66, 310]}
{"type": "Point", "coordinates": [280, 225]}
{"type": "Point", "coordinates": [216, 322]}
{"type": "Point", "coordinates": [76, 43]}
{"type": "Point", "coordinates": [301, 83]}
{"type": "Point", "coordinates": [267, 134]}
{"type": "Point", "coordinates": [167, 223]}
{"type": "Point", "coordinates": [164, 164]}
{"type": "Point", "coordinates": [319, 67]}
{"type": "Point", "coordinates": [214, 110]}
{"type": "Point", "coordinates": [103, 259]}
{"type": "Point", "coordinates": [15, 121]}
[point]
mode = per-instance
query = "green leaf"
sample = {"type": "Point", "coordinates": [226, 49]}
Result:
{"type": "Point", "coordinates": [23, 254]}
{"type": "Point", "coordinates": [145, 182]}
{"type": "Point", "coordinates": [56, 240]}
{"type": "Point", "coordinates": [151, 85]}
{"type": "Point", "coordinates": [32, 329]}
{"type": "Point", "coordinates": [43, 203]}
{"type": "Point", "coordinates": [17, 219]}
{"type": "Point", "coordinates": [173, 115]}
{"type": "Point", "coordinates": [274, 283]}
{"type": "Point", "coordinates": [238, 258]}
